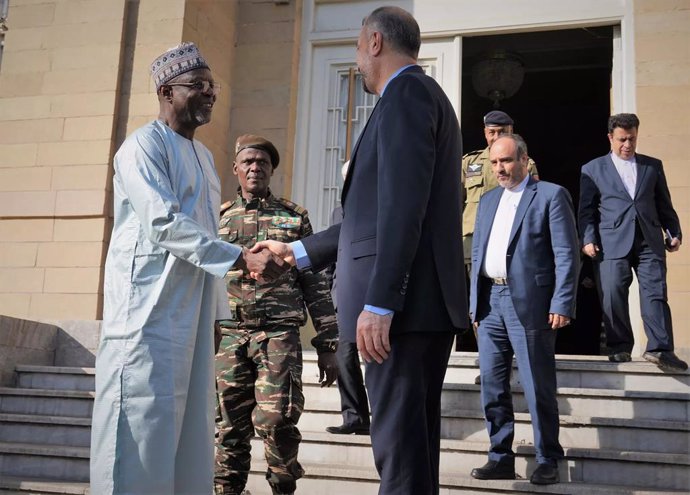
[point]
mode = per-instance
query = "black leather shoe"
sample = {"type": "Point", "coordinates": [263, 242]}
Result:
{"type": "Point", "coordinates": [666, 360]}
{"type": "Point", "coordinates": [493, 470]}
{"type": "Point", "coordinates": [620, 357]}
{"type": "Point", "coordinates": [348, 429]}
{"type": "Point", "coordinates": [545, 474]}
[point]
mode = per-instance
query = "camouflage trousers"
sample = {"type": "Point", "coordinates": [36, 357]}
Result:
{"type": "Point", "coordinates": [259, 385]}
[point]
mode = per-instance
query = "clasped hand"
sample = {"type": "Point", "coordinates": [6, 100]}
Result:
{"type": "Point", "coordinates": [269, 260]}
{"type": "Point", "coordinates": [261, 264]}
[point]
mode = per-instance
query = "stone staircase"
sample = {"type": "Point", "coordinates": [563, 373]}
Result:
{"type": "Point", "coordinates": [625, 429]}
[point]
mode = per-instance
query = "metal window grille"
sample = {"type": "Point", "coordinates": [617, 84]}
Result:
{"type": "Point", "coordinates": [349, 109]}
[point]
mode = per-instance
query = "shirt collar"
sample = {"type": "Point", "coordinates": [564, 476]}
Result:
{"type": "Point", "coordinates": [520, 187]}
{"type": "Point", "coordinates": [617, 160]}
{"type": "Point", "coordinates": [254, 203]}
{"type": "Point", "coordinates": [395, 74]}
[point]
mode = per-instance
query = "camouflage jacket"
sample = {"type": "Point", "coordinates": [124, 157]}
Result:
{"type": "Point", "coordinates": [261, 306]}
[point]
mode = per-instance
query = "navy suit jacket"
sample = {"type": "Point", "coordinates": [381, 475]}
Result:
{"type": "Point", "coordinates": [399, 245]}
{"type": "Point", "coordinates": [607, 213]}
{"type": "Point", "coordinates": [543, 258]}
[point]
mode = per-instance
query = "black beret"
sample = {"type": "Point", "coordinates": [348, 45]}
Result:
{"type": "Point", "coordinates": [260, 143]}
{"type": "Point", "coordinates": [496, 117]}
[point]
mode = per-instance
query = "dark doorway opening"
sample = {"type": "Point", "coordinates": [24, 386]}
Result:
{"type": "Point", "coordinates": [561, 110]}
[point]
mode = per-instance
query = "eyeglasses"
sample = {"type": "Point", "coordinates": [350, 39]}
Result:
{"type": "Point", "coordinates": [202, 86]}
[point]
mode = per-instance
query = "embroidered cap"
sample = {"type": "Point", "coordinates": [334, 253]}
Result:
{"type": "Point", "coordinates": [260, 143]}
{"type": "Point", "coordinates": [178, 60]}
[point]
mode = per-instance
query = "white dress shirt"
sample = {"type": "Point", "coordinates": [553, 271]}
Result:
{"type": "Point", "coordinates": [494, 265]}
{"type": "Point", "coordinates": [627, 169]}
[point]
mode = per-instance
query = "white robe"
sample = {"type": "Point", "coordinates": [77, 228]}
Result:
{"type": "Point", "coordinates": [153, 418]}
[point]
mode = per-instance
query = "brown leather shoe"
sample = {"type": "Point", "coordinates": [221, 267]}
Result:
{"type": "Point", "coordinates": [494, 470]}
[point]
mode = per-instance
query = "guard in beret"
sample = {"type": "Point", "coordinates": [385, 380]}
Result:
{"type": "Point", "coordinates": [478, 179]}
{"type": "Point", "coordinates": [259, 363]}
{"type": "Point", "coordinates": [258, 143]}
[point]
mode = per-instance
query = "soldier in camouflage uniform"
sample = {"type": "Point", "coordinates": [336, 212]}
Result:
{"type": "Point", "coordinates": [477, 178]}
{"type": "Point", "coordinates": [259, 363]}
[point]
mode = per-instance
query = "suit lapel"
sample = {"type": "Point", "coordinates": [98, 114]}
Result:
{"type": "Point", "coordinates": [641, 171]}
{"type": "Point", "coordinates": [527, 197]}
{"type": "Point", "coordinates": [616, 178]}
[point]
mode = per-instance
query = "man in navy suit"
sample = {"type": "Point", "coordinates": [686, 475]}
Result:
{"type": "Point", "coordinates": [525, 262]}
{"type": "Point", "coordinates": [401, 289]}
{"type": "Point", "coordinates": [625, 213]}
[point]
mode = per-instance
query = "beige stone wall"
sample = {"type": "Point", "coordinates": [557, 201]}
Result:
{"type": "Point", "coordinates": [264, 83]}
{"type": "Point", "coordinates": [74, 82]}
{"type": "Point", "coordinates": [662, 55]}
{"type": "Point", "coordinates": [58, 94]}
{"type": "Point", "coordinates": [212, 25]}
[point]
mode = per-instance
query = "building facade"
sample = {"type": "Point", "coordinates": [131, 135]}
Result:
{"type": "Point", "coordinates": [74, 82]}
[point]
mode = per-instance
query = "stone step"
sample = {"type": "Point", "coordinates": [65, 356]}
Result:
{"type": "Point", "coordinates": [73, 403]}
{"type": "Point", "coordinates": [55, 377]}
{"type": "Point", "coordinates": [573, 372]}
{"type": "Point", "coordinates": [670, 437]}
{"type": "Point", "coordinates": [58, 462]}
{"type": "Point", "coordinates": [331, 479]}
{"type": "Point", "coordinates": [640, 469]}
{"type": "Point", "coordinates": [45, 430]}
{"type": "Point", "coordinates": [10, 485]}
{"type": "Point", "coordinates": [652, 405]}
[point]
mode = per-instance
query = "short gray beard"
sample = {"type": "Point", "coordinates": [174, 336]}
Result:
{"type": "Point", "coordinates": [201, 118]}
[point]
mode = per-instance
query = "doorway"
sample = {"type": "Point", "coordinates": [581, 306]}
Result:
{"type": "Point", "coordinates": [561, 110]}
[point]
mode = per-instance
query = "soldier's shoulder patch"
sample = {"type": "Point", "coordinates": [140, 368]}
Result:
{"type": "Point", "coordinates": [227, 206]}
{"type": "Point", "coordinates": [292, 206]}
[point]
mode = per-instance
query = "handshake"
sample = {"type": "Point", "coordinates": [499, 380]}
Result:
{"type": "Point", "coordinates": [266, 261]}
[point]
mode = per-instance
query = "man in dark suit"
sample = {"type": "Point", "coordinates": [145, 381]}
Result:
{"type": "Point", "coordinates": [625, 212]}
{"type": "Point", "coordinates": [525, 262]}
{"type": "Point", "coordinates": [401, 290]}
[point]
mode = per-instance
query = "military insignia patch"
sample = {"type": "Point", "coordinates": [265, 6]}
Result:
{"type": "Point", "coordinates": [286, 222]}
{"type": "Point", "coordinates": [474, 169]}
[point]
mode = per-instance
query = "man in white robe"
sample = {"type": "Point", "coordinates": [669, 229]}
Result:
{"type": "Point", "coordinates": [152, 429]}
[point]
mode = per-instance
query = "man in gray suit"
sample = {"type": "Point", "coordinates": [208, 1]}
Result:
{"type": "Point", "coordinates": [525, 263]}
{"type": "Point", "coordinates": [626, 221]}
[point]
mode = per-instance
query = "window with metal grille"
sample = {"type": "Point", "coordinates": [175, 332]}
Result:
{"type": "Point", "coordinates": [348, 111]}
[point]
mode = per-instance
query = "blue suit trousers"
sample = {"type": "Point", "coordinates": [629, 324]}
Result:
{"type": "Point", "coordinates": [501, 335]}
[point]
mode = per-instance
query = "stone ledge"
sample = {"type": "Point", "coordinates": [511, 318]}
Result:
{"type": "Point", "coordinates": [43, 486]}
